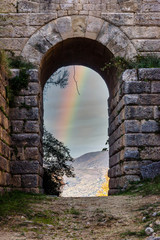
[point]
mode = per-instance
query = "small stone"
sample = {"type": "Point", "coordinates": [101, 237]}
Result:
{"type": "Point", "coordinates": [154, 214]}
{"type": "Point", "coordinates": [157, 222]}
{"type": "Point", "coordinates": [151, 225]}
{"type": "Point", "coordinates": [149, 230]}
{"type": "Point", "coordinates": [144, 219]}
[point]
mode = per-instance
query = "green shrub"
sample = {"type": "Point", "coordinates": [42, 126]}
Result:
{"type": "Point", "coordinates": [121, 64]}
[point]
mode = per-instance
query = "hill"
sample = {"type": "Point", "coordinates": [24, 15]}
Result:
{"type": "Point", "coordinates": [90, 170]}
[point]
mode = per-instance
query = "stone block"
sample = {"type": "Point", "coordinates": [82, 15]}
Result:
{"type": "Point", "coordinates": [141, 32]}
{"type": "Point", "coordinates": [150, 45]}
{"type": "Point", "coordinates": [149, 19]}
{"type": "Point", "coordinates": [150, 126]}
{"type": "Point", "coordinates": [131, 168]}
{"type": "Point", "coordinates": [8, 6]}
{"type": "Point", "coordinates": [150, 7]}
{"type": "Point", "coordinates": [30, 181]}
{"type": "Point", "coordinates": [129, 75]}
{"type": "Point", "coordinates": [119, 19]}
{"type": "Point", "coordinates": [128, 6]}
{"type": "Point", "coordinates": [132, 126]}
{"type": "Point", "coordinates": [136, 87]}
{"type": "Point", "coordinates": [151, 153]}
{"type": "Point", "coordinates": [131, 153]}
{"type": "Point", "coordinates": [4, 164]}
{"type": "Point", "coordinates": [33, 75]}
{"type": "Point", "coordinates": [150, 171]}
{"type": "Point", "coordinates": [28, 7]}
{"type": "Point", "coordinates": [138, 112]}
{"type": "Point", "coordinates": [142, 140]}
{"type": "Point", "coordinates": [31, 153]}
{"type": "Point", "coordinates": [155, 86]}
{"type": "Point", "coordinates": [149, 99]}
{"type": "Point", "coordinates": [157, 112]}
{"type": "Point", "coordinates": [114, 159]}
{"type": "Point", "coordinates": [93, 27]}
{"type": "Point", "coordinates": [131, 99]}
{"type": "Point", "coordinates": [23, 113]}
{"type": "Point", "coordinates": [26, 139]}
{"type": "Point", "coordinates": [24, 167]}
{"type": "Point", "coordinates": [18, 101]}
{"type": "Point", "coordinates": [64, 26]}
{"type": "Point", "coordinates": [40, 19]}
{"type": "Point", "coordinates": [32, 127]}
{"type": "Point", "coordinates": [79, 25]}
{"type": "Point", "coordinates": [16, 19]}
{"type": "Point", "coordinates": [12, 43]}
{"type": "Point", "coordinates": [17, 126]}
{"type": "Point", "coordinates": [32, 89]}
{"type": "Point", "coordinates": [31, 101]}
{"type": "Point", "coordinates": [16, 181]}
{"type": "Point", "coordinates": [2, 178]}
{"type": "Point", "coordinates": [149, 73]}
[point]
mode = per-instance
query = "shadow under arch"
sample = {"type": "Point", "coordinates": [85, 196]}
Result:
{"type": "Point", "coordinates": [78, 51]}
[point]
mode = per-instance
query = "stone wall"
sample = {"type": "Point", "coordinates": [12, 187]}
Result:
{"type": "Point", "coordinates": [139, 20]}
{"type": "Point", "coordinates": [134, 132]}
{"type": "Point", "coordinates": [26, 161]}
{"type": "Point", "coordinates": [5, 176]}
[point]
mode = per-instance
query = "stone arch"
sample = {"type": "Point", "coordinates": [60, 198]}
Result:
{"type": "Point", "coordinates": [96, 41]}
{"type": "Point", "coordinates": [109, 35]}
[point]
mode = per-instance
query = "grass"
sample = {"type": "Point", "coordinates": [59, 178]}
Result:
{"type": "Point", "coordinates": [144, 188]}
{"type": "Point", "coordinates": [72, 211]}
{"type": "Point", "coordinates": [133, 233]}
{"type": "Point", "coordinates": [18, 203]}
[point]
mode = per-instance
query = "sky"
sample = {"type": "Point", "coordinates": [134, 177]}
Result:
{"type": "Point", "coordinates": [79, 121]}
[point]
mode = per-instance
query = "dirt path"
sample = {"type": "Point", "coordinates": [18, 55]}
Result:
{"type": "Point", "coordinates": [98, 218]}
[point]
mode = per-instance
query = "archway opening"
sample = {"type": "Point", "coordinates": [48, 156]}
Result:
{"type": "Point", "coordinates": [79, 51]}
{"type": "Point", "coordinates": [79, 119]}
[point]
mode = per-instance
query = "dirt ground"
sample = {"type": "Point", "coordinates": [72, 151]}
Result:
{"type": "Point", "coordinates": [96, 218]}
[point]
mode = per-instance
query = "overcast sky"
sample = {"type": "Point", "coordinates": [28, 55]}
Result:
{"type": "Point", "coordinates": [79, 121]}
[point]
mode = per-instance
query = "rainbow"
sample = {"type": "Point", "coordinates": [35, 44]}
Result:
{"type": "Point", "coordinates": [71, 100]}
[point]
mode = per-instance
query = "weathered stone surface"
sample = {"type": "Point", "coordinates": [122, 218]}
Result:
{"type": "Point", "coordinates": [131, 153]}
{"type": "Point", "coordinates": [149, 19]}
{"type": "Point", "coordinates": [132, 126]}
{"type": "Point", "coordinates": [93, 27]}
{"type": "Point", "coordinates": [142, 139]}
{"type": "Point", "coordinates": [150, 153]}
{"type": "Point", "coordinates": [32, 126]}
{"type": "Point", "coordinates": [142, 32]}
{"type": "Point", "coordinates": [30, 181]}
{"type": "Point", "coordinates": [12, 43]}
{"type": "Point", "coordinates": [151, 170]}
{"type": "Point", "coordinates": [136, 87]}
{"type": "Point", "coordinates": [26, 139]}
{"type": "Point", "coordinates": [23, 113]}
{"type": "Point", "coordinates": [24, 167]}
{"type": "Point", "coordinates": [16, 181]}
{"type": "Point", "coordinates": [150, 126]}
{"type": "Point", "coordinates": [155, 87]}
{"type": "Point", "coordinates": [4, 164]}
{"type": "Point", "coordinates": [138, 112]}
{"type": "Point", "coordinates": [32, 153]}
{"type": "Point", "coordinates": [17, 126]}
{"type": "Point", "coordinates": [149, 74]}
{"type": "Point", "coordinates": [26, 6]}
{"type": "Point", "coordinates": [129, 75]}
{"type": "Point", "coordinates": [119, 18]}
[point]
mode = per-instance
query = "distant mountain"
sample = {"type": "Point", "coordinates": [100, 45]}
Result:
{"type": "Point", "coordinates": [90, 170]}
{"type": "Point", "coordinates": [92, 160]}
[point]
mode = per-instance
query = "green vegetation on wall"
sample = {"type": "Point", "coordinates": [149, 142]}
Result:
{"type": "Point", "coordinates": [121, 64]}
